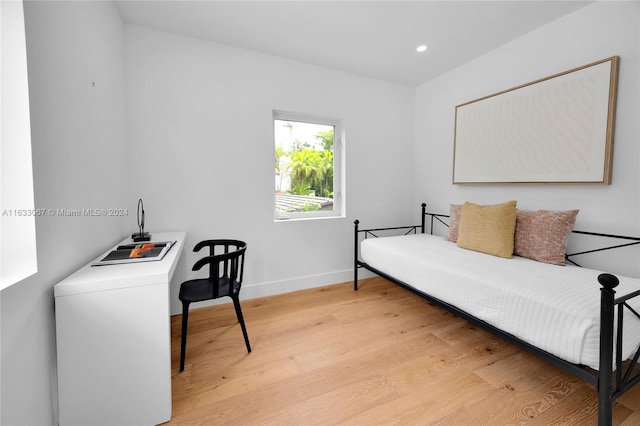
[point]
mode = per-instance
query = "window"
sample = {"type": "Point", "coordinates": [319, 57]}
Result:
{"type": "Point", "coordinates": [308, 166]}
{"type": "Point", "coordinates": [17, 225]}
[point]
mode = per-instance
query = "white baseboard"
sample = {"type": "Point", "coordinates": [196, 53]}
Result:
{"type": "Point", "coordinates": [253, 291]}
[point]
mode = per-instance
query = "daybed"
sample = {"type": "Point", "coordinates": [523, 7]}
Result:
{"type": "Point", "coordinates": [568, 315]}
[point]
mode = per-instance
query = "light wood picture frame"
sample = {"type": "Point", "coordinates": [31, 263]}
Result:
{"type": "Point", "coordinates": [557, 130]}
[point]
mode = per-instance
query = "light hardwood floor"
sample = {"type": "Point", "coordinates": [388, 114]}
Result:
{"type": "Point", "coordinates": [378, 356]}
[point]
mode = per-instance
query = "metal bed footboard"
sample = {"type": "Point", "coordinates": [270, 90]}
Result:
{"type": "Point", "coordinates": [613, 382]}
{"type": "Point", "coordinates": [610, 382]}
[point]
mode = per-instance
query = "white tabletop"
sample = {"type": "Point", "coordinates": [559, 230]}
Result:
{"type": "Point", "coordinates": [111, 277]}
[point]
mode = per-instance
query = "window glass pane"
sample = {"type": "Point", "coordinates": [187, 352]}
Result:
{"type": "Point", "coordinates": [304, 167]}
{"type": "Point", "coordinates": [17, 226]}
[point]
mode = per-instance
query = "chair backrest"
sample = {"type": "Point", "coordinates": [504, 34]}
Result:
{"type": "Point", "coordinates": [226, 263]}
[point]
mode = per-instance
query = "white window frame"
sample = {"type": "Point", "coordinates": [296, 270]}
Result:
{"type": "Point", "coordinates": [338, 166]}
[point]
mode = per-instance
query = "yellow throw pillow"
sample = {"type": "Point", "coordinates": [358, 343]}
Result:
{"type": "Point", "coordinates": [488, 229]}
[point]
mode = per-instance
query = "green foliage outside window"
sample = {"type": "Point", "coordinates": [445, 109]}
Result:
{"type": "Point", "coordinates": [310, 167]}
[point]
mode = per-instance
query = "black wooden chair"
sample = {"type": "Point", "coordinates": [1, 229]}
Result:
{"type": "Point", "coordinates": [226, 267]}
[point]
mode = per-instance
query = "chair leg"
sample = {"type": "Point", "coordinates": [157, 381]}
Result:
{"type": "Point", "coordinates": [236, 304]}
{"type": "Point", "coordinates": [183, 337]}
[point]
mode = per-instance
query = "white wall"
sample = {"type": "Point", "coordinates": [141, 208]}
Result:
{"type": "Point", "coordinates": [595, 32]}
{"type": "Point", "coordinates": [200, 121]}
{"type": "Point", "coordinates": [79, 161]}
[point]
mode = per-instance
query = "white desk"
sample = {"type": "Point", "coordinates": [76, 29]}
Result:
{"type": "Point", "coordinates": [114, 341]}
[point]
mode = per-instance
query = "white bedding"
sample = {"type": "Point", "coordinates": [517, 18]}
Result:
{"type": "Point", "coordinates": [555, 308]}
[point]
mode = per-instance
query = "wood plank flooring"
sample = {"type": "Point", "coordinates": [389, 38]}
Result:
{"type": "Point", "coordinates": [378, 356]}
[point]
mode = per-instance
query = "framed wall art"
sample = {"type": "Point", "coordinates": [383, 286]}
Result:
{"type": "Point", "coordinates": [558, 130]}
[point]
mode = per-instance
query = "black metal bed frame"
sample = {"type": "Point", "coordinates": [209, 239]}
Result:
{"type": "Point", "coordinates": [610, 383]}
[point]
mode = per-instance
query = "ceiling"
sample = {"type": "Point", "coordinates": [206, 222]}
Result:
{"type": "Point", "coordinates": [371, 38]}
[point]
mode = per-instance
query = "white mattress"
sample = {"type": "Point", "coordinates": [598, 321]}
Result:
{"type": "Point", "coordinates": [555, 308]}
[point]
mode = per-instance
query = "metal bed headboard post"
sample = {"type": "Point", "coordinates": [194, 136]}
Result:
{"type": "Point", "coordinates": [356, 263]}
{"type": "Point", "coordinates": [605, 375]}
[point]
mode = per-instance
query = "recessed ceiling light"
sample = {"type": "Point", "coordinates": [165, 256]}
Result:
{"type": "Point", "coordinates": [421, 48]}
